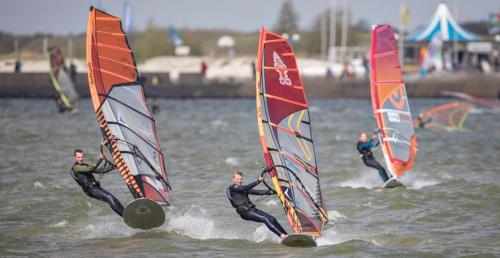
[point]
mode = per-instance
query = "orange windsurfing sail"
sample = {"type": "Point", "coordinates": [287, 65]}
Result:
{"type": "Point", "coordinates": [446, 117]}
{"type": "Point", "coordinates": [285, 134]}
{"type": "Point", "coordinates": [390, 102]}
{"type": "Point", "coordinates": [120, 106]}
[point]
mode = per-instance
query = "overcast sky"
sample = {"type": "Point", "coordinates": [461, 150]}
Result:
{"type": "Point", "coordinates": [70, 16]}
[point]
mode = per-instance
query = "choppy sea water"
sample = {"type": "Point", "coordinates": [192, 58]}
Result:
{"type": "Point", "coordinates": [450, 209]}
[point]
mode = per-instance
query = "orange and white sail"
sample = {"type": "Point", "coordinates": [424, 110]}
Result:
{"type": "Point", "coordinates": [121, 110]}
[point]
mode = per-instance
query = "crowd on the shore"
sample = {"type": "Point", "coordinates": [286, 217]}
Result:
{"type": "Point", "coordinates": [243, 68]}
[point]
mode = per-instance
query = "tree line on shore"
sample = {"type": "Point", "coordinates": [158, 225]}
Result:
{"type": "Point", "coordinates": [154, 39]}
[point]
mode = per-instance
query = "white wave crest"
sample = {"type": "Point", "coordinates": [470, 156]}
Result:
{"type": "Point", "coordinates": [334, 237]}
{"type": "Point", "coordinates": [219, 123]}
{"type": "Point", "coordinates": [197, 224]}
{"type": "Point", "coordinates": [334, 215]}
{"type": "Point", "coordinates": [109, 226]}
{"type": "Point", "coordinates": [60, 224]}
{"type": "Point", "coordinates": [38, 184]}
{"type": "Point", "coordinates": [262, 233]}
{"type": "Point", "coordinates": [232, 161]}
{"type": "Point", "coordinates": [368, 180]}
{"type": "Point", "coordinates": [416, 180]}
{"type": "Point", "coordinates": [271, 202]}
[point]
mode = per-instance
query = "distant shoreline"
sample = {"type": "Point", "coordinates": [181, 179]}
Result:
{"type": "Point", "coordinates": [192, 85]}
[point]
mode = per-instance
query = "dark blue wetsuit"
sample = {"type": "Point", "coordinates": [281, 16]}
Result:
{"type": "Point", "coordinates": [364, 149]}
{"type": "Point", "coordinates": [238, 196]}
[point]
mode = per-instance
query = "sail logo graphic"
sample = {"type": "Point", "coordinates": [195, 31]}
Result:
{"type": "Point", "coordinates": [393, 117]}
{"type": "Point", "coordinates": [280, 68]}
{"type": "Point", "coordinates": [398, 99]}
{"type": "Point", "coordinates": [121, 120]}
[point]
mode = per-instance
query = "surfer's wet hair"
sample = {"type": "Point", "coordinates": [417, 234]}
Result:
{"type": "Point", "coordinates": [237, 172]}
{"type": "Point", "coordinates": [77, 151]}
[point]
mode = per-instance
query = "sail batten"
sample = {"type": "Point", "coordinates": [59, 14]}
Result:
{"type": "Point", "coordinates": [120, 104]}
{"type": "Point", "coordinates": [285, 133]}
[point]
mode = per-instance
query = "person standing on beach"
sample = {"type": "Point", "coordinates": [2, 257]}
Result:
{"type": "Point", "coordinates": [203, 70]}
{"type": "Point", "coordinates": [17, 66]}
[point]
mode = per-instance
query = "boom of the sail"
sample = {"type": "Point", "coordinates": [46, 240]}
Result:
{"type": "Point", "coordinates": [449, 117]}
{"type": "Point", "coordinates": [285, 134]}
{"type": "Point", "coordinates": [61, 79]}
{"type": "Point", "coordinates": [390, 102]}
{"type": "Point", "coordinates": [120, 105]}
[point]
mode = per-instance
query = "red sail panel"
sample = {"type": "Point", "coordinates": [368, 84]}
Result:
{"type": "Point", "coordinates": [121, 110]}
{"type": "Point", "coordinates": [285, 133]}
{"type": "Point", "coordinates": [390, 102]}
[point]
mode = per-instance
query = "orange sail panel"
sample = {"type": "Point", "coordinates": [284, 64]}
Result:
{"type": "Point", "coordinates": [448, 117]}
{"type": "Point", "coordinates": [120, 106]}
{"type": "Point", "coordinates": [390, 103]}
{"type": "Point", "coordinates": [285, 134]}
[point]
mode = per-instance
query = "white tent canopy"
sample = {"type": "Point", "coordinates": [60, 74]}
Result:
{"type": "Point", "coordinates": [444, 24]}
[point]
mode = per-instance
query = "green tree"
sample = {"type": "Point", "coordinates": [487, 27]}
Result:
{"type": "Point", "coordinates": [150, 43]}
{"type": "Point", "coordinates": [288, 19]}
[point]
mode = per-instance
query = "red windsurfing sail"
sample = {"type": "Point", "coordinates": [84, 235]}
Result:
{"type": "Point", "coordinates": [285, 134]}
{"type": "Point", "coordinates": [390, 102]}
{"type": "Point", "coordinates": [120, 106]}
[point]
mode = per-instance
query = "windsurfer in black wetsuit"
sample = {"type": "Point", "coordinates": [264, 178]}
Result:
{"type": "Point", "coordinates": [421, 121]}
{"type": "Point", "coordinates": [364, 147]}
{"type": "Point", "coordinates": [82, 173]}
{"type": "Point", "coordinates": [238, 196]}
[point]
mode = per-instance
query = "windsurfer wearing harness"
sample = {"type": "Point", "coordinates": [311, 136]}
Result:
{"type": "Point", "coordinates": [83, 175]}
{"type": "Point", "coordinates": [364, 147]}
{"type": "Point", "coordinates": [238, 193]}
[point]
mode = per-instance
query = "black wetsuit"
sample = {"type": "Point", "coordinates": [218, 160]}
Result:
{"type": "Point", "coordinates": [422, 122]}
{"type": "Point", "coordinates": [61, 107]}
{"type": "Point", "coordinates": [238, 196]}
{"type": "Point", "coordinates": [364, 149]}
{"type": "Point", "coordinates": [82, 173]}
